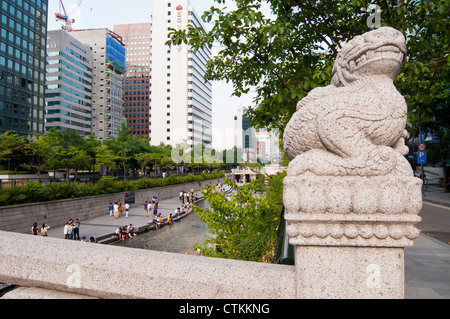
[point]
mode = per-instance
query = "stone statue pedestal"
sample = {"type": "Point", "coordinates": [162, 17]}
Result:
{"type": "Point", "coordinates": [350, 195]}
{"type": "Point", "coordinates": [350, 233]}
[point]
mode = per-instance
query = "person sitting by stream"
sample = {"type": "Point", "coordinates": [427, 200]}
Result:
{"type": "Point", "coordinates": [157, 221]}
{"type": "Point", "coordinates": [131, 231]}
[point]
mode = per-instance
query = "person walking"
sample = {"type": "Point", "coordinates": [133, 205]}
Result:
{"type": "Point", "coordinates": [35, 229]}
{"type": "Point", "coordinates": [66, 231]}
{"type": "Point", "coordinates": [121, 209]}
{"type": "Point", "coordinates": [127, 209]}
{"type": "Point", "coordinates": [44, 229]}
{"type": "Point", "coordinates": [111, 209]}
{"type": "Point", "coordinates": [155, 209]}
{"type": "Point", "coordinates": [146, 208]}
{"type": "Point", "coordinates": [116, 210]}
{"type": "Point", "coordinates": [70, 230]}
{"type": "Point", "coordinates": [76, 230]}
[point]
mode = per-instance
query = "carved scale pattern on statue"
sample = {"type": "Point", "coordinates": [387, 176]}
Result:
{"type": "Point", "coordinates": [356, 125]}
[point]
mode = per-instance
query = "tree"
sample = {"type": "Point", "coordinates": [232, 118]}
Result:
{"type": "Point", "coordinates": [12, 147]}
{"type": "Point", "coordinates": [123, 158]}
{"type": "Point", "coordinates": [143, 159]}
{"type": "Point", "coordinates": [36, 151]}
{"type": "Point", "coordinates": [287, 54]}
{"type": "Point", "coordinates": [105, 157]}
{"type": "Point", "coordinates": [78, 159]}
{"type": "Point", "coordinates": [242, 225]}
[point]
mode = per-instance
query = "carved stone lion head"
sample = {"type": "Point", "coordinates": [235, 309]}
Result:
{"type": "Point", "coordinates": [378, 52]}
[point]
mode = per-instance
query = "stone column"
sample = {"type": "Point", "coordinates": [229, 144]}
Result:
{"type": "Point", "coordinates": [350, 234]}
{"type": "Point", "coordinates": [350, 195]}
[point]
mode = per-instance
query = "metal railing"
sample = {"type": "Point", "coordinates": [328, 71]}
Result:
{"type": "Point", "coordinates": [284, 252]}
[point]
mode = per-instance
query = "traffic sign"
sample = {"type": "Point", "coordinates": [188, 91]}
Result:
{"type": "Point", "coordinates": [422, 147]}
{"type": "Point", "coordinates": [421, 157]}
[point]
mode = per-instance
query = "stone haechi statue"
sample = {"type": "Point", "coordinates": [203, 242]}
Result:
{"type": "Point", "coordinates": [348, 182]}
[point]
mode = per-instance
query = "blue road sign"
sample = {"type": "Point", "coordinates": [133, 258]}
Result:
{"type": "Point", "coordinates": [422, 157]}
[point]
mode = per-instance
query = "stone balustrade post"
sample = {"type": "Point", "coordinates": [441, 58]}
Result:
{"type": "Point", "coordinates": [350, 234]}
{"type": "Point", "coordinates": [350, 195]}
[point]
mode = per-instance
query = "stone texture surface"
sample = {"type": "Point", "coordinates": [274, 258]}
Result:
{"type": "Point", "coordinates": [349, 272]}
{"type": "Point", "coordinates": [117, 272]}
{"type": "Point", "coordinates": [348, 181]}
{"type": "Point", "coordinates": [356, 125]}
{"type": "Point", "coordinates": [350, 195]}
{"type": "Point", "coordinates": [38, 293]}
{"type": "Point", "coordinates": [358, 211]}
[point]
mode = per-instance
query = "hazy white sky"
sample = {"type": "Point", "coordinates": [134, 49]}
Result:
{"type": "Point", "coordinates": [106, 13]}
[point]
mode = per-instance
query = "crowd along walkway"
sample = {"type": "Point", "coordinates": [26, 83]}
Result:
{"type": "Point", "coordinates": [427, 262]}
{"type": "Point", "coordinates": [103, 228]}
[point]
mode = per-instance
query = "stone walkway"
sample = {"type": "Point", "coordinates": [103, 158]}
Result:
{"type": "Point", "coordinates": [104, 227]}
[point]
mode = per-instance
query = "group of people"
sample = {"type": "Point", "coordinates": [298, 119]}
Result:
{"type": "Point", "coordinates": [72, 229]}
{"type": "Point", "coordinates": [44, 229]}
{"type": "Point", "coordinates": [158, 220]}
{"type": "Point", "coordinates": [125, 232]}
{"type": "Point", "coordinates": [187, 197]}
{"type": "Point", "coordinates": [118, 208]}
{"type": "Point", "coordinates": [151, 208]}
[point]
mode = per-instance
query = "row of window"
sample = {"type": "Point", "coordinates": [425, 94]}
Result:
{"type": "Point", "coordinates": [53, 114]}
{"type": "Point", "coordinates": [31, 7]}
{"type": "Point", "coordinates": [145, 115]}
{"type": "Point", "coordinates": [69, 58]}
{"type": "Point", "coordinates": [15, 108]}
{"type": "Point", "coordinates": [17, 124]}
{"type": "Point", "coordinates": [21, 31]}
{"type": "Point", "coordinates": [69, 106]}
{"type": "Point", "coordinates": [22, 43]}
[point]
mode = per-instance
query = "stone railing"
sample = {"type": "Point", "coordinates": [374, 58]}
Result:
{"type": "Point", "coordinates": [102, 271]}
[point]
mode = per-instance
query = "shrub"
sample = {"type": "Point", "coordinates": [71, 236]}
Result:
{"type": "Point", "coordinates": [36, 192]}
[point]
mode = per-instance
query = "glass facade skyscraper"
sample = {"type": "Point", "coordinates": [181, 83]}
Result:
{"type": "Point", "coordinates": [23, 37]}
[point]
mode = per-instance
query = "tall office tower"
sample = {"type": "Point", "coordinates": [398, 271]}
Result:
{"type": "Point", "coordinates": [69, 83]}
{"type": "Point", "coordinates": [181, 101]}
{"type": "Point", "coordinates": [107, 88]}
{"type": "Point", "coordinates": [23, 36]}
{"type": "Point", "coordinates": [137, 78]}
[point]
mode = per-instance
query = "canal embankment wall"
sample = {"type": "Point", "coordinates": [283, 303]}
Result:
{"type": "Point", "coordinates": [20, 218]}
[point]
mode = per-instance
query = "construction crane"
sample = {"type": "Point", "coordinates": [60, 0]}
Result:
{"type": "Point", "coordinates": [64, 17]}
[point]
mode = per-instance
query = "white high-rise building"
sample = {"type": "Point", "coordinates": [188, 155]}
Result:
{"type": "Point", "coordinates": [181, 100]}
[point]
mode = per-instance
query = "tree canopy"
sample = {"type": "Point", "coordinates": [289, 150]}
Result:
{"type": "Point", "coordinates": [290, 51]}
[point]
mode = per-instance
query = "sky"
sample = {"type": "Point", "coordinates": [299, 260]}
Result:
{"type": "Point", "coordinates": [106, 13]}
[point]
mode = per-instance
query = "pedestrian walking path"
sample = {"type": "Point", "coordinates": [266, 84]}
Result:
{"type": "Point", "coordinates": [427, 262]}
{"type": "Point", "coordinates": [104, 227]}
{"type": "Point", "coordinates": [436, 195]}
